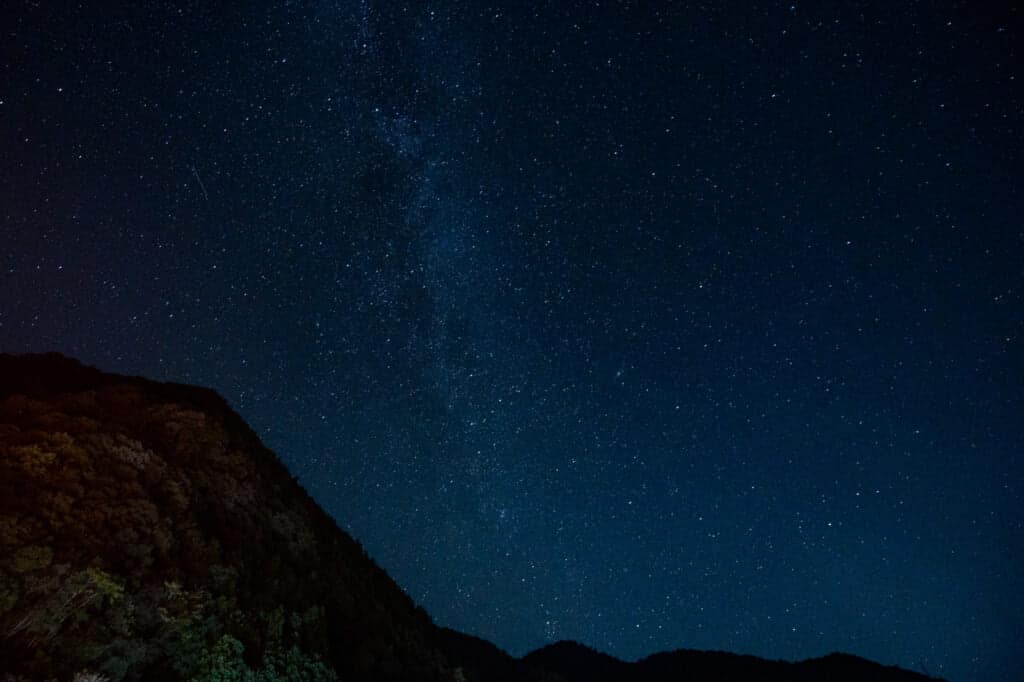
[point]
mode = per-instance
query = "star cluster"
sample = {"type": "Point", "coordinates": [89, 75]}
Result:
{"type": "Point", "coordinates": [649, 325]}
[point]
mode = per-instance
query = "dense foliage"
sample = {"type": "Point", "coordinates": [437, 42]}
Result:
{"type": "Point", "coordinates": [146, 533]}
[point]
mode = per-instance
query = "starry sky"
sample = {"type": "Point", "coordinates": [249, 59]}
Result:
{"type": "Point", "coordinates": [648, 325]}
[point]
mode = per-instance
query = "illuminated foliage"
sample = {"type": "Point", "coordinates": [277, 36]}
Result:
{"type": "Point", "coordinates": [147, 534]}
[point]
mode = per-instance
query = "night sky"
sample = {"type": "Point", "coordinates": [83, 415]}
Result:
{"type": "Point", "coordinates": [641, 324]}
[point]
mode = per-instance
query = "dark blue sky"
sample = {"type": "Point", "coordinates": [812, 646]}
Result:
{"type": "Point", "coordinates": [640, 324]}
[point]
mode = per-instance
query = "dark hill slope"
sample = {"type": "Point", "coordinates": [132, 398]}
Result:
{"type": "Point", "coordinates": [574, 661]}
{"type": "Point", "coordinates": [481, 660]}
{"type": "Point", "coordinates": [578, 663]}
{"type": "Point", "coordinates": [145, 532]}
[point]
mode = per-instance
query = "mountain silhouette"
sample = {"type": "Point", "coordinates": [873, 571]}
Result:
{"type": "Point", "coordinates": [575, 662]}
{"type": "Point", "coordinates": [147, 533]}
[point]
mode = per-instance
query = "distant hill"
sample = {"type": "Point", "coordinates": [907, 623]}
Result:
{"type": "Point", "coordinates": [578, 663]}
{"type": "Point", "coordinates": [147, 534]}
